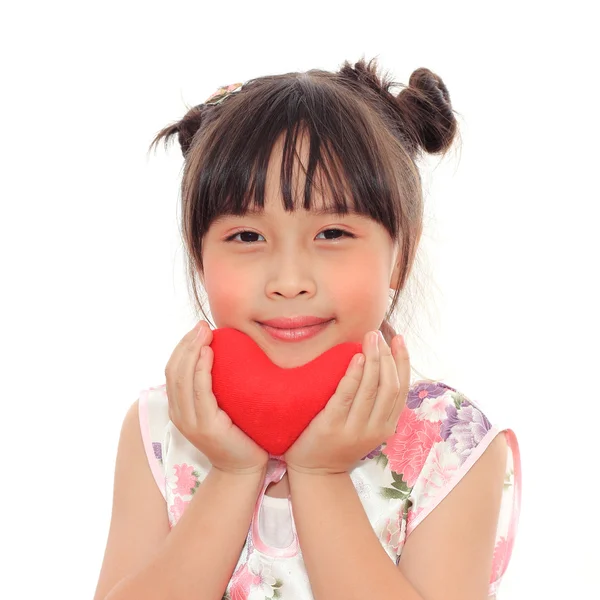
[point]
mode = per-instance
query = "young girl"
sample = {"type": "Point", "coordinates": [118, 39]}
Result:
{"type": "Point", "coordinates": [302, 209]}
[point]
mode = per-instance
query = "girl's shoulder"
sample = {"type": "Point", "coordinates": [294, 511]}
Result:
{"type": "Point", "coordinates": [153, 409]}
{"type": "Point", "coordinates": [441, 408]}
{"type": "Point", "coordinates": [440, 435]}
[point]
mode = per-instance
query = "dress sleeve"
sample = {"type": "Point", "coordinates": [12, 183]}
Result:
{"type": "Point", "coordinates": [154, 417]}
{"type": "Point", "coordinates": [459, 433]}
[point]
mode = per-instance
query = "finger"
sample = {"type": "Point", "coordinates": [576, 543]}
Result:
{"type": "Point", "coordinates": [172, 370]}
{"type": "Point", "coordinates": [367, 391]}
{"type": "Point", "coordinates": [402, 360]}
{"type": "Point", "coordinates": [388, 388]}
{"type": "Point", "coordinates": [338, 407]}
{"type": "Point", "coordinates": [180, 373]}
{"type": "Point", "coordinates": [205, 402]}
{"type": "Point", "coordinates": [197, 364]}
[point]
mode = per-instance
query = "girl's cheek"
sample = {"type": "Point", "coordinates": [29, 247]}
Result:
{"type": "Point", "coordinates": [360, 295]}
{"type": "Point", "coordinates": [359, 283]}
{"type": "Point", "coordinates": [227, 289]}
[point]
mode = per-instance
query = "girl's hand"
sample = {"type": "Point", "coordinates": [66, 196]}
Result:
{"type": "Point", "coordinates": [363, 412]}
{"type": "Point", "coordinates": [194, 411]}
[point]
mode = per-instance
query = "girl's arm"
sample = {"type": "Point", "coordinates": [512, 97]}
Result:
{"type": "Point", "coordinates": [449, 559]}
{"type": "Point", "coordinates": [343, 557]}
{"type": "Point", "coordinates": [198, 557]}
{"type": "Point", "coordinates": [193, 560]}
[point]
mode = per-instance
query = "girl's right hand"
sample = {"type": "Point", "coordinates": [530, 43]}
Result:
{"type": "Point", "coordinates": [193, 408]}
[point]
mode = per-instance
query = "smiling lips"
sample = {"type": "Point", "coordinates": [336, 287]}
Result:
{"type": "Point", "coordinates": [295, 329]}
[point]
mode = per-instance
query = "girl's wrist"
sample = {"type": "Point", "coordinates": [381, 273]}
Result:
{"type": "Point", "coordinates": [252, 472]}
{"type": "Point", "coordinates": [297, 471]}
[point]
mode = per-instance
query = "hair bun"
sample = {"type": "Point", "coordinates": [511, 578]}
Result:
{"type": "Point", "coordinates": [425, 105]}
{"type": "Point", "coordinates": [187, 128]}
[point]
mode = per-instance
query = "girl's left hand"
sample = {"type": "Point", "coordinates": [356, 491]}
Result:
{"type": "Point", "coordinates": [363, 412]}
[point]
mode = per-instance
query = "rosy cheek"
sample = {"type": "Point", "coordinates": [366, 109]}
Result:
{"type": "Point", "coordinates": [361, 296]}
{"type": "Point", "coordinates": [359, 286]}
{"type": "Point", "coordinates": [227, 291]}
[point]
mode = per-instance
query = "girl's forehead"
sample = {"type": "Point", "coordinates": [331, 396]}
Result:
{"type": "Point", "coordinates": [321, 198]}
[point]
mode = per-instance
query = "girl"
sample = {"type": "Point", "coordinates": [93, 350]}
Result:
{"type": "Point", "coordinates": [302, 209]}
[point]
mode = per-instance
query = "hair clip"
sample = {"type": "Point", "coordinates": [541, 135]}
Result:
{"type": "Point", "coordinates": [222, 93]}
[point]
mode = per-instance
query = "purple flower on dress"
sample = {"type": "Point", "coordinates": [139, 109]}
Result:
{"type": "Point", "coordinates": [157, 447]}
{"type": "Point", "coordinates": [464, 428]}
{"type": "Point", "coordinates": [420, 391]}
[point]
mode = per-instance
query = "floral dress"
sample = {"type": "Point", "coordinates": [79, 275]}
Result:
{"type": "Point", "coordinates": [440, 435]}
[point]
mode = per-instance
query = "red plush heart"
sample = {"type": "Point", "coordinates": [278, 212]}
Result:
{"type": "Point", "coordinates": [270, 404]}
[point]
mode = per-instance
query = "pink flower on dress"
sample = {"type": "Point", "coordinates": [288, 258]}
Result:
{"type": "Point", "coordinates": [187, 480]}
{"type": "Point", "coordinates": [439, 470]}
{"type": "Point", "coordinates": [432, 408]}
{"type": "Point", "coordinates": [413, 514]}
{"type": "Point", "coordinates": [394, 531]}
{"type": "Point", "coordinates": [408, 448]}
{"type": "Point", "coordinates": [178, 508]}
{"type": "Point", "coordinates": [499, 561]}
{"type": "Point", "coordinates": [254, 575]}
{"type": "Point", "coordinates": [240, 584]}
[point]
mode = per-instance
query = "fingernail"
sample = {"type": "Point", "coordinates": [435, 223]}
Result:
{"type": "Point", "coordinates": [400, 342]}
{"type": "Point", "coordinates": [200, 330]}
{"type": "Point", "coordinates": [375, 339]}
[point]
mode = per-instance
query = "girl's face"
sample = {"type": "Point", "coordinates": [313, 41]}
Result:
{"type": "Point", "coordinates": [287, 264]}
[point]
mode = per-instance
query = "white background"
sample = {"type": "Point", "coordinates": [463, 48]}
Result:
{"type": "Point", "coordinates": [93, 290]}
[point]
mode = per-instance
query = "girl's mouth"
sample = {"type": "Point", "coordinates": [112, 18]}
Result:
{"type": "Point", "coordinates": [297, 334]}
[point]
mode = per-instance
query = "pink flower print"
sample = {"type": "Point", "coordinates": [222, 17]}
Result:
{"type": "Point", "coordinates": [240, 584]}
{"type": "Point", "coordinates": [253, 578]}
{"type": "Point", "coordinates": [432, 408]}
{"type": "Point", "coordinates": [187, 480]}
{"type": "Point", "coordinates": [408, 448]}
{"type": "Point", "coordinates": [177, 509]}
{"type": "Point", "coordinates": [413, 514]}
{"type": "Point", "coordinates": [499, 560]}
{"type": "Point", "coordinates": [439, 470]}
{"type": "Point", "coordinates": [263, 580]}
{"type": "Point", "coordinates": [394, 531]}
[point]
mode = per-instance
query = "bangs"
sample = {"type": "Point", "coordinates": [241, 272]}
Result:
{"type": "Point", "coordinates": [227, 170]}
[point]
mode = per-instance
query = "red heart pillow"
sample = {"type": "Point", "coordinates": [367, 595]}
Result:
{"type": "Point", "coordinates": [270, 404]}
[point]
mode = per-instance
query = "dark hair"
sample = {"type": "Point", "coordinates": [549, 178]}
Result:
{"type": "Point", "coordinates": [364, 142]}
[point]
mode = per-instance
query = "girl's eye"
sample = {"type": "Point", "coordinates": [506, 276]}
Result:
{"type": "Point", "coordinates": [246, 233]}
{"type": "Point", "coordinates": [231, 238]}
{"type": "Point", "coordinates": [341, 231]}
